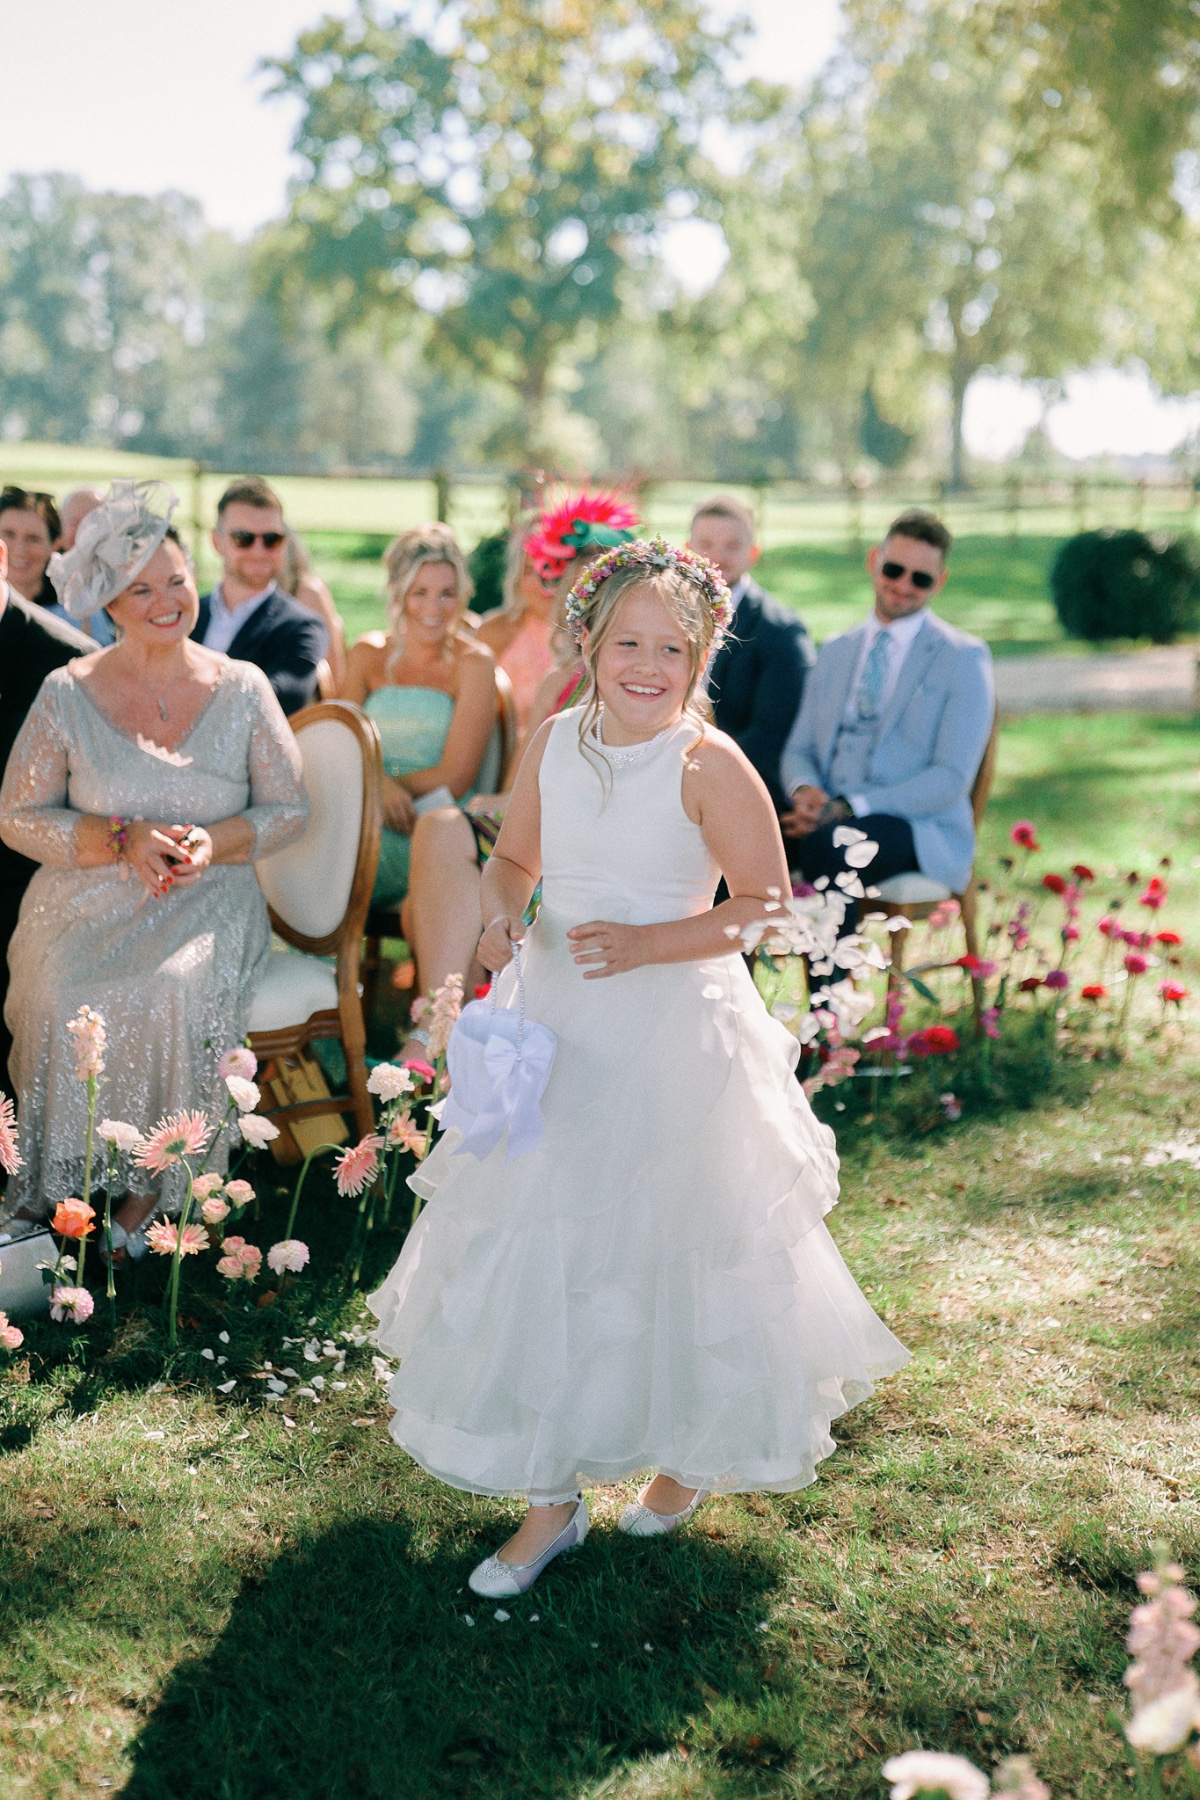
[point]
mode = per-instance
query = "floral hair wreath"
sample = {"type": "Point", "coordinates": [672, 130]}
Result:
{"type": "Point", "coordinates": [652, 553]}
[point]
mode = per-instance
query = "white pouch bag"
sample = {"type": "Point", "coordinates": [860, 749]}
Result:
{"type": "Point", "coordinates": [499, 1063]}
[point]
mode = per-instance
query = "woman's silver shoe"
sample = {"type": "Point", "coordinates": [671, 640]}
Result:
{"type": "Point", "coordinates": [496, 1580]}
{"type": "Point", "coordinates": [640, 1520]}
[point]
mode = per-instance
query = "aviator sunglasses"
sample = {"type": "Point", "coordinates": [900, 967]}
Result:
{"type": "Point", "coordinates": [270, 540]}
{"type": "Point", "coordinates": [894, 571]}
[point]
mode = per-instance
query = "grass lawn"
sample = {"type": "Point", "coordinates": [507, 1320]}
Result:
{"type": "Point", "coordinates": [202, 1601]}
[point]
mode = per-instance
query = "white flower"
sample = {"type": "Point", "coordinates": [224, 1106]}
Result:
{"type": "Point", "coordinates": [1167, 1723]}
{"type": "Point", "coordinates": [290, 1255]}
{"type": "Point", "coordinates": [121, 1136]}
{"type": "Point", "coordinates": [256, 1130]}
{"type": "Point", "coordinates": [920, 1771]}
{"type": "Point", "coordinates": [389, 1082]}
{"type": "Point", "coordinates": [244, 1094]}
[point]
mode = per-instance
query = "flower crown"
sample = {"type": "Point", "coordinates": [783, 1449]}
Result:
{"type": "Point", "coordinates": [579, 524]}
{"type": "Point", "coordinates": [652, 553]}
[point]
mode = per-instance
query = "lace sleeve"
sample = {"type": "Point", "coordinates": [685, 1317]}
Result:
{"type": "Point", "coordinates": [278, 809]}
{"type": "Point", "coordinates": [34, 816]}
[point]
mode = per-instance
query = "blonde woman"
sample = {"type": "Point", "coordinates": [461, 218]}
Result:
{"type": "Point", "coordinates": [431, 689]}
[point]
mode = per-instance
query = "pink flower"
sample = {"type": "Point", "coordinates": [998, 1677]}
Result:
{"type": "Point", "coordinates": [943, 915]}
{"type": "Point", "coordinates": [240, 1261]}
{"type": "Point", "coordinates": [256, 1130]}
{"type": "Point", "coordinates": [1162, 1641]}
{"type": "Point", "coordinates": [952, 1107]}
{"type": "Point", "coordinates": [1172, 991]}
{"type": "Point", "coordinates": [240, 1062]}
{"type": "Point", "coordinates": [288, 1257]}
{"type": "Point", "coordinates": [1058, 978]}
{"type": "Point", "coordinates": [11, 1336]}
{"type": "Point", "coordinates": [205, 1186]}
{"type": "Point", "coordinates": [244, 1094]}
{"type": "Point", "coordinates": [357, 1167]}
{"type": "Point", "coordinates": [71, 1303]}
{"type": "Point", "coordinates": [989, 1018]}
{"type": "Point", "coordinates": [1070, 934]}
{"type": "Point", "coordinates": [1017, 1780]}
{"type": "Point", "coordinates": [87, 1028]}
{"type": "Point", "coordinates": [1155, 894]}
{"type": "Point", "coordinates": [405, 1134]}
{"type": "Point", "coordinates": [421, 1070]}
{"type": "Point", "coordinates": [1136, 963]}
{"type": "Point", "coordinates": [163, 1236]}
{"type": "Point", "coordinates": [1024, 835]}
{"type": "Point", "coordinates": [979, 971]}
{"type": "Point", "coordinates": [1108, 927]}
{"type": "Point", "coordinates": [214, 1210]}
{"type": "Point", "coordinates": [239, 1193]}
{"type": "Point", "coordinates": [443, 1011]}
{"type": "Point", "coordinates": [10, 1156]}
{"type": "Point", "coordinates": [183, 1134]}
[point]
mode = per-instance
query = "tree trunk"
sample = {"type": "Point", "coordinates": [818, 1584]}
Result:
{"type": "Point", "coordinates": [961, 371]}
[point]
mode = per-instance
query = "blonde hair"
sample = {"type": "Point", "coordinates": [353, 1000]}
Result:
{"type": "Point", "coordinates": [686, 604]}
{"type": "Point", "coordinates": [412, 551]}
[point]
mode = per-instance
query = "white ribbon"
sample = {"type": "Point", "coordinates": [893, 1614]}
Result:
{"type": "Point", "coordinates": [499, 1064]}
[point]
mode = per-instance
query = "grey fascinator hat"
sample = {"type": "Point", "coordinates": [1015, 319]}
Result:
{"type": "Point", "coordinates": [114, 543]}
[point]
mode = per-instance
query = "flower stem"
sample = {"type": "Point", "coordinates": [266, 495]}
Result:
{"type": "Point", "coordinates": [87, 1170]}
{"type": "Point", "coordinates": [108, 1244]}
{"type": "Point", "coordinates": [176, 1259]}
{"type": "Point", "coordinates": [291, 1219]}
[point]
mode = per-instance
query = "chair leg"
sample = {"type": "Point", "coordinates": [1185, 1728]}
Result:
{"type": "Point", "coordinates": [354, 1041]}
{"type": "Point", "coordinates": [370, 973]}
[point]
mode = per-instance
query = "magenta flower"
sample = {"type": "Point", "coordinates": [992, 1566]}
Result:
{"type": "Point", "coordinates": [71, 1303]}
{"type": "Point", "coordinates": [357, 1167]}
{"type": "Point", "coordinates": [1058, 978]}
{"type": "Point", "coordinates": [989, 1018]}
{"type": "Point", "coordinates": [10, 1156]}
{"type": "Point", "coordinates": [1136, 963]}
{"type": "Point", "coordinates": [183, 1134]}
{"type": "Point", "coordinates": [1024, 835]}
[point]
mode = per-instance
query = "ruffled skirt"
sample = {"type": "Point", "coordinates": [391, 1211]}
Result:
{"type": "Point", "coordinates": [653, 1287]}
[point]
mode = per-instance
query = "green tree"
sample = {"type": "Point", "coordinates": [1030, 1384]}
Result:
{"type": "Point", "coordinates": [935, 241]}
{"type": "Point", "coordinates": [500, 167]}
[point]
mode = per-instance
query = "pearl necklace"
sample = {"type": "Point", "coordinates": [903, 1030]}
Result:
{"type": "Point", "coordinates": [627, 753]}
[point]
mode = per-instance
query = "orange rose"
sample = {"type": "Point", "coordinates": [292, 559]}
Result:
{"type": "Point", "coordinates": [72, 1218]}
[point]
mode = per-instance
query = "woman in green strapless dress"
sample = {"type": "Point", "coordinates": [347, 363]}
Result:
{"type": "Point", "coordinates": [431, 689]}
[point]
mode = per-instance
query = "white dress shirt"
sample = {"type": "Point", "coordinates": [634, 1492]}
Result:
{"type": "Point", "coordinates": [901, 634]}
{"type": "Point", "coordinates": [225, 622]}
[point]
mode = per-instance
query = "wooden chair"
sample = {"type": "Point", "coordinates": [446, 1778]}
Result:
{"type": "Point", "coordinates": [496, 773]}
{"type": "Point", "coordinates": [318, 891]}
{"type": "Point", "coordinates": [914, 896]}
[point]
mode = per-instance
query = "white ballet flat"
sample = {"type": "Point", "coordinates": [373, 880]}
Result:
{"type": "Point", "coordinates": [496, 1580]}
{"type": "Point", "coordinates": [639, 1520]}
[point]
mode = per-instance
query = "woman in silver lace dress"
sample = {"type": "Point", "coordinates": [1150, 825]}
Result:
{"type": "Point", "coordinates": [146, 781]}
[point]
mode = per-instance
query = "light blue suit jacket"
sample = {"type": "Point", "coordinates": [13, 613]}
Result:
{"type": "Point", "coordinates": [929, 739]}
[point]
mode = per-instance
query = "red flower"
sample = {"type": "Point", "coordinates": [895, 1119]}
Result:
{"type": "Point", "coordinates": [1108, 927]}
{"type": "Point", "coordinates": [935, 1040]}
{"type": "Point", "coordinates": [1095, 992]}
{"type": "Point", "coordinates": [1136, 963]}
{"type": "Point", "coordinates": [1030, 983]}
{"type": "Point", "coordinates": [482, 990]}
{"type": "Point", "coordinates": [1055, 883]}
{"type": "Point", "coordinates": [1024, 834]}
{"type": "Point", "coordinates": [1155, 894]}
{"type": "Point", "coordinates": [1174, 991]}
{"type": "Point", "coordinates": [562, 531]}
{"type": "Point", "coordinates": [422, 1071]}
{"type": "Point", "coordinates": [1081, 872]}
{"type": "Point", "coordinates": [1167, 937]}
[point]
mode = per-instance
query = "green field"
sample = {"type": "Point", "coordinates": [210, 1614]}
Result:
{"type": "Point", "coordinates": [199, 1601]}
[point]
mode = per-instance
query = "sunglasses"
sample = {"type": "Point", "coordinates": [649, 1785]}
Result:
{"type": "Point", "coordinates": [920, 578]}
{"type": "Point", "coordinates": [270, 540]}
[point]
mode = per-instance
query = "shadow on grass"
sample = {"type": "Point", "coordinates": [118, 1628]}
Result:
{"type": "Point", "coordinates": [350, 1673]}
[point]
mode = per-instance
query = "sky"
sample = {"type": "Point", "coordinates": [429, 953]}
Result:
{"type": "Point", "coordinates": [155, 94]}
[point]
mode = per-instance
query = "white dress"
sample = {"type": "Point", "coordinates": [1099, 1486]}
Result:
{"type": "Point", "coordinates": [653, 1287]}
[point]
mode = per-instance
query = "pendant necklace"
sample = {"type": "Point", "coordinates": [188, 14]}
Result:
{"type": "Point", "coordinates": [162, 710]}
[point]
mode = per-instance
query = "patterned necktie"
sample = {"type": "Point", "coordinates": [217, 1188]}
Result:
{"type": "Point", "coordinates": [869, 694]}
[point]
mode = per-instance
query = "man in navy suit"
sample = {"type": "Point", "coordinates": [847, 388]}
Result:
{"type": "Point", "coordinates": [248, 615]}
{"type": "Point", "coordinates": [894, 724]}
{"type": "Point", "coordinates": [756, 681]}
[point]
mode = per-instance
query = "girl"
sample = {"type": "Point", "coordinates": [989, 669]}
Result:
{"type": "Point", "coordinates": [651, 1288]}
